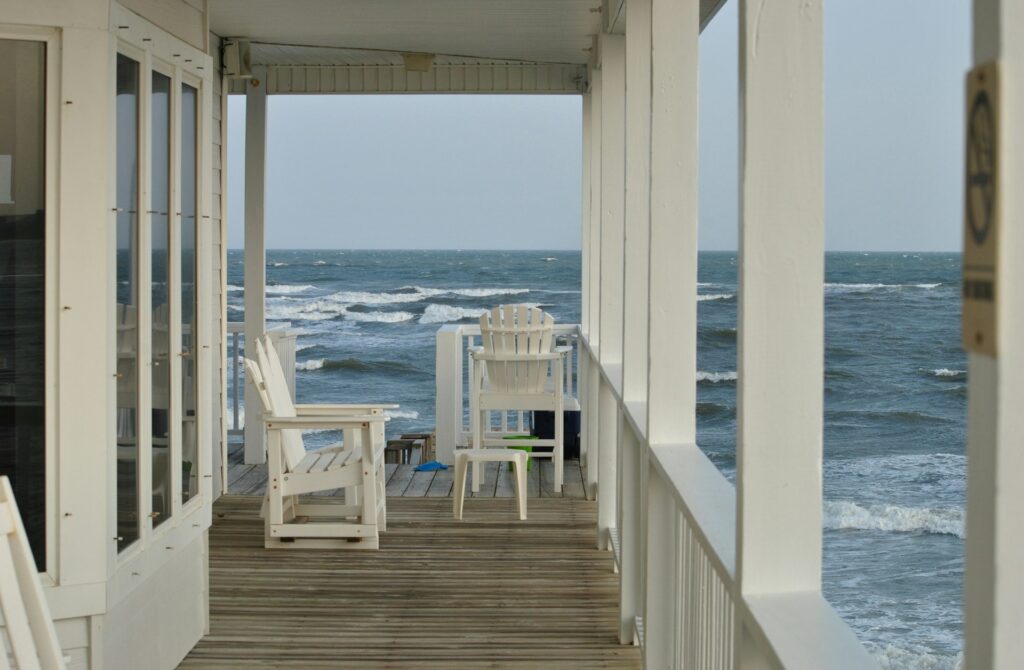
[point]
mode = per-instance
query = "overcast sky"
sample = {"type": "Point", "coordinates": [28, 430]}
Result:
{"type": "Point", "coordinates": [503, 172]}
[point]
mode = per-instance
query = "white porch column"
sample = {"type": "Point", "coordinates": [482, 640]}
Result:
{"type": "Point", "coordinates": [592, 292]}
{"type": "Point", "coordinates": [781, 309]}
{"type": "Point", "coordinates": [613, 200]}
{"type": "Point", "coordinates": [672, 327]}
{"type": "Point", "coordinates": [255, 250]}
{"type": "Point", "coordinates": [635, 306]}
{"type": "Point", "coordinates": [994, 582]}
{"type": "Point", "coordinates": [613, 179]}
{"type": "Point", "coordinates": [585, 217]}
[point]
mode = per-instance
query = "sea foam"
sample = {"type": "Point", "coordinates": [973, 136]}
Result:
{"type": "Point", "coordinates": [447, 314]}
{"type": "Point", "coordinates": [891, 657]}
{"type": "Point", "coordinates": [715, 296]}
{"type": "Point", "coordinates": [842, 514]}
{"type": "Point", "coordinates": [715, 377]}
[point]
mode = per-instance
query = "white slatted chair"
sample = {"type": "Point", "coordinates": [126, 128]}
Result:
{"type": "Point", "coordinates": [357, 465]}
{"type": "Point", "coordinates": [517, 368]}
{"type": "Point", "coordinates": [27, 624]}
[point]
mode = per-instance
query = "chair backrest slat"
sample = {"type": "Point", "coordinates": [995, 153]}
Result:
{"type": "Point", "coordinates": [517, 330]}
{"type": "Point", "coordinates": [26, 617]}
{"type": "Point", "coordinates": [280, 398]}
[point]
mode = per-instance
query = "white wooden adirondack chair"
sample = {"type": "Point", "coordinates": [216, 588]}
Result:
{"type": "Point", "coordinates": [517, 368]}
{"type": "Point", "coordinates": [26, 616]}
{"type": "Point", "coordinates": [357, 465]}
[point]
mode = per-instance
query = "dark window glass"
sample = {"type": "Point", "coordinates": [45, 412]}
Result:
{"type": "Point", "coordinates": [160, 231]}
{"type": "Point", "coordinates": [22, 282]}
{"type": "Point", "coordinates": [189, 228]}
{"type": "Point", "coordinates": [127, 301]}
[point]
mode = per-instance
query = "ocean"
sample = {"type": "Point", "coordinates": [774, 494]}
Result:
{"type": "Point", "coordinates": [895, 397]}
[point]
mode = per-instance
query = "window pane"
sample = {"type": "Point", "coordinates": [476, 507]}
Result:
{"type": "Point", "coordinates": [189, 226]}
{"type": "Point", "coordinates": [127, 300]}
{"type": "Point", "coordinates": [160, 201]}
{"type": "Point", "coordinates": [22, 282]}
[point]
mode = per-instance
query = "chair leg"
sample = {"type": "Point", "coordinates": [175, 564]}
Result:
{"type": "Point", "coordinates": [382, 516]}
{"type": "Point", "coordinates": [521, 484]}
{"type": "Point", "coordinates": [459, 494]}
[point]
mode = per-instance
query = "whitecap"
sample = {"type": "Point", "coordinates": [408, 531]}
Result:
{"type": "Point", "coordinates": [233, 289]}
{"type": "Point", "coordinates": [279, 265]}
{"type": "Point", "coordinates": [379, 317]}
{"type": "Point", "coordinates": [312, 364]}
{"type": "Point", "coordinates": [302, 346]}
{"type": "Point", "coordinates": [715, 296]}
{"type": "Point", "coordinates": [402, 413]}
{"type": "Point", "coordinates": [318, 263]}
{"type": "Point", "coordinates": [715, 377]}
{"type": "Point", "coordinates": [946, 372]}
{"type": "Point", "coordinates": [287, 289]}
{"type": "Point", "coordinates": [843, 514]}
{"type": "Point", "coordinates": [446, 313]}
{"type": "Point", "coordinates": [891, 657]}
{"type": "Point", "coordinates": [839, 287]}
{"type": "Point", "coordinates": [549, 259]}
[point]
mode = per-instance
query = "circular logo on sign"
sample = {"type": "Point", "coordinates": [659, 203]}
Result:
{"type": "Point", "coordinates": [981, 168]}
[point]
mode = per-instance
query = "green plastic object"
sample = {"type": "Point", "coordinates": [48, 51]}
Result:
{"type": "Point", "coordinates": [528, 448]}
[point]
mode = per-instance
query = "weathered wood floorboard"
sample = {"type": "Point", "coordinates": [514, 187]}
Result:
{"type": "Point", "coordinates": [487, 592]}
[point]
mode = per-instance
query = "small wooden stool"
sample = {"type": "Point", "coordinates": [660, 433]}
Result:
{"type": "Point", "coordinates": [427, 452]}
{"type": "Point", "coordinates": [399, 451]}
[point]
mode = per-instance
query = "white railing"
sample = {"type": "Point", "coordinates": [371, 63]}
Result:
{"type": "Point", "coordinates": [672, 528]}
{"type": "Point", "coordinates": [454, 369]}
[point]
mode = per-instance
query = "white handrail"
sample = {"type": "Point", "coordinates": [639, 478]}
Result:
{"type": "Point", "coordinates": [454, 367]}
{"type": "Point", "coordinates": [678, 585]}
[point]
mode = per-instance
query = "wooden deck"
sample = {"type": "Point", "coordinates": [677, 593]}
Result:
{"type": "Point", "coordinates": [486, 592]}
{"type": "Point", "coordinates": [404, 481]}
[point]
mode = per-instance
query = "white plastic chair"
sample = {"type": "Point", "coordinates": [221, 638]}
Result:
{"type": "Point", "coordinates": [26, 616]}
{"type": "Point", "coordinates": [516, 368]}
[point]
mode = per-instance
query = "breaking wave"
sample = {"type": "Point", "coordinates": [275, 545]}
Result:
{"type": "Point", "coordinates": [841, 514]}
{"type": "Point", "coordinates": [312, 364]}
{"type": "Point", "coordinates": [715, 296]}
{"type": "Point", "coordinates": [286, 289]}
{"type": "Point", "coordinates": [379, 317]}
{"type": "Point", "coordinates": [357, 365]}
{"type": "Point", "coordinates": [448, 314]}
{"type": "Point", "coordinates": [402, 413]}
{"type": "Point", "coordinates": [891, 657]}
{"type": "Point", "coordinates": [715, 377]}
{"type": "Point", "coordinates": [949, 375]}
{"type": "Point", "coordinates": [839, 287]}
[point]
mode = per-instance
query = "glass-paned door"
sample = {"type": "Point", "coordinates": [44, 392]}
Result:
{"type": "Point", "coordinates": [160, 286]}
{"type": "Point", "coordinates": [127, 291]}
{"type": "Point", "coordinates": [22, 282]}
{"type": "Point", "coordinates": [189, 225]}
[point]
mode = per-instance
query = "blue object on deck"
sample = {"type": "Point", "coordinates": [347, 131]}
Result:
{"type": "Point", "coordinates": [429, 466]}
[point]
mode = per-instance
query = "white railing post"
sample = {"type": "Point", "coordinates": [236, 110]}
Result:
{"type": "Point", "coordinates": [994, 581]}
{"type": "Point", "coordinates": [781, 306]}
{"type": "Point", "coordinates": [662, 581]}
{"type": "Point", "coordinates": [448, 380]}
{"type": "Point", "coordinates": [634, 309]}
{"type": "Point", "coordinates": [255, 248]}
{"type": "Point", "coordinates": [591, 412]}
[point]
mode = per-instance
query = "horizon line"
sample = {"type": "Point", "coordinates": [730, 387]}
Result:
{"type": "Point", "coordinates": [832, 251]}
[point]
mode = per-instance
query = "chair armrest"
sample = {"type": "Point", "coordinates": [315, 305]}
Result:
{"type": "Point", "coordinates": [522, 358]}
{"type": "Point", "coordinates": [336, 422]}
{"type": "Point", "coordinates": [320, 410]}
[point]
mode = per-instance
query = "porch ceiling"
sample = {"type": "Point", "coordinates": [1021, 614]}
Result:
{"type": "Point", "coordinates": [548, 31]}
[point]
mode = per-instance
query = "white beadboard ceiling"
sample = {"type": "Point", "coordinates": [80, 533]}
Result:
{"type": "Point", "coordinates": [349, 32]}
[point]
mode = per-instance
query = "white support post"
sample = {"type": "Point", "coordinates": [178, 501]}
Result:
{"type": "Point", "coordinates": [255, 249]}
{"type": "Point", "coordinates": [585, 216]}
{"type": "Point", "coordinates": [672, 331]}
{"type": "Point", "coordinates": [781, 310]}
{"type": "Point", "coordinates": [613, 201]}
{"type": "Point", "coordinates": [994, 582]}
{"type": "Point", "coordinates": [635, 307]}
{"type": "Point", "coordinates": [661, 628]}
{"type": "Point", "coordinates": [592, 291]}
{"type": "Point", "coordinates": [638, 198]}
{"type": "Point", "coordinates": [448, 380]}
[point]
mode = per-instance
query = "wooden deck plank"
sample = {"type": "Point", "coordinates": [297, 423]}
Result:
{"type": "Point", "coordinates": [438, 594]}
{"type": "Point", "coordinates": [573, 485]}
{"type": "Point", "coordinates": [419, 484]}
{"type": "Point", "coordinates": [399, 482]}
{"type": "Point", "coordinates": [547, 479]}
{"type": "Point", "coordinates": [441, 485]}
